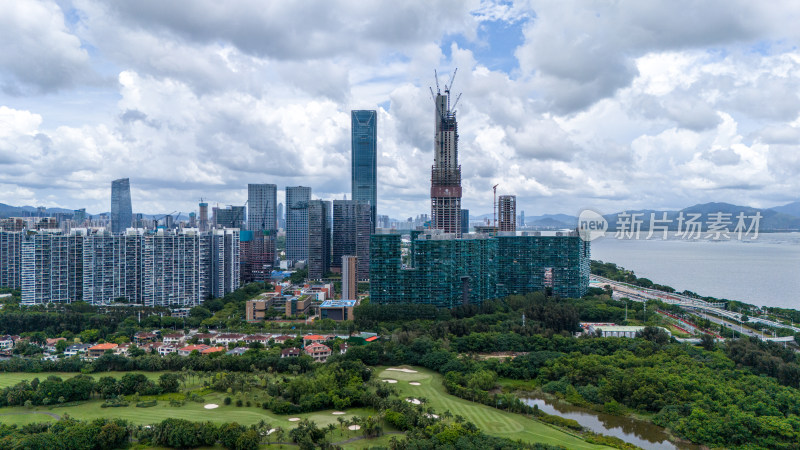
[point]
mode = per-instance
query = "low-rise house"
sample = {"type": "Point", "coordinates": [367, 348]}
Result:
{"type": "Point", "coordinates": [143, 337]}
{"type": "Point", "coordinates": [122, 349]}
{"type": "Point", "coordinates": [166, 349]}
{"type": "Point", "coordinates": [290, 352]}
{"type": "Point", "coordinates": [173, 338]}
{"type": "Point", "coordinates": [260, 338]}
{"type": "Point", "coordinates": [50, 344]}
{"type": "Point", "coordinates": [201, 337]}
{"type": "Point", "coordinates": [186, 351]}
{"type": "Point", "coordinates": [281, 339]}
{"type": "Point", "coordinates": [98, 350]}
{"type": "Point", "coordinates": [617, 330]}
{"type": "Point", "coordinates": [227, 338]}
{"type": "Point", "coordinates": [238, 351]}
{"type": "Point", "coordinates": [315, 339]}
{"type": "Point", "coordinates": [76, 349]}
{"type": "Point", "coordinates": [319, 352]}
{"type": "Point", "coordinates": [212, 350]}
{"type": "Point", "coordinates": [7, 341]}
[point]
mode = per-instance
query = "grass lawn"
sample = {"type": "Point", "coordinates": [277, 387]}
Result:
{"type": "Point", "coordinates": [12, 378]}
{"type": "Point", "coordinates": [490, 420]}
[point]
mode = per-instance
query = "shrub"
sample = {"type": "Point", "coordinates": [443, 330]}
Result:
{"type": "Point", "coordinates": [227, 401]}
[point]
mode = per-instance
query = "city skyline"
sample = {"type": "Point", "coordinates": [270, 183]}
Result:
{"type": "Point", "coordinates": [613, 107]}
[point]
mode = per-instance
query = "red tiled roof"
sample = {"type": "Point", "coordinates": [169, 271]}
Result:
{"type": "Point", "coordinates": [213, 350]}
{"type": "Point", "coordinates": [106, 346]}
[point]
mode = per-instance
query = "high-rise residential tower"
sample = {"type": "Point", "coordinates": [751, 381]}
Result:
{"type": "Point", "coordinates": [446, 172]}
{"type": "Point", "coordinates": [364, 165]}
{"type": "Point", "coordinates": [121, 210]}
{"type": "Point", "coordinates": [319, 239]}
{"type": "Point", "coordinates": [507, 212]}
{"type": "Point", "coordinates": [297, 198]}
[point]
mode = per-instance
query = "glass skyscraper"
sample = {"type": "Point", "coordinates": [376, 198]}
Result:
{"type": "Point", "coordinates": [364, 159]}
{"type": "Point", "coordinates": [297, 198]}
{"type": "Point", "coordinates": [121, 211]}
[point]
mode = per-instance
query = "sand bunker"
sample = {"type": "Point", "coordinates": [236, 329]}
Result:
{"type": "Point", "coordinates": [432, 416]}
{"type": "Point", "coordinates": [354, 427]}
{"type": "Point", "coordinates": [414, 401]}
{"type": "Point", "coordinates": [414, 383]}
{"type": "Point", "coordinates": [338, 413]}
{"type": "Point", "coordinates": [397, 369]}
{"type": "Point", "coordinates": [211, 406]}
{"type": "Point", "coordinates": [294, 419]}
{"type": "Point", "coordinates": [390, 381]}
{"type": "Point", "coordinates": [271, 431]}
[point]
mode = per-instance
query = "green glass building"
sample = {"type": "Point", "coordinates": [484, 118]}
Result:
{"type": "Point", "coordinates": [444, 271]}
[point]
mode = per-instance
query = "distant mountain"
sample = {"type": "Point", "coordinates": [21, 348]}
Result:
{"type": "Point", "coordinates": [24, 211]}
{"type": "Point", "coordinates": [771, 220]}
{"type": "Point", "coordinates": [792, 209]}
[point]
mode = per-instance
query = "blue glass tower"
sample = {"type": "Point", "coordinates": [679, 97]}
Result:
{"type": "Point", "coordinates": [364, 159]}
{"type": "Point", "coordinates": [121, 210]}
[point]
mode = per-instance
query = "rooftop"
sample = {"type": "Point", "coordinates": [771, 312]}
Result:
{"type": "Point", "coordinates": [338, 304]}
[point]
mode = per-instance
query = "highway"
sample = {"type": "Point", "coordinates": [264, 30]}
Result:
{"type": "Point", "coordinates": [640, 294]}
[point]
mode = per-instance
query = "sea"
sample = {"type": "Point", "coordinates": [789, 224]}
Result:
{"type": "Point", "coordinates": [763, 272]}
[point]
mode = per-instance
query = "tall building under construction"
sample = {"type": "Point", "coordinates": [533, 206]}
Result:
{"type": "Point", "coordinates": [446, 172]}
{"type": "Point", "coordinates": [507, 212]}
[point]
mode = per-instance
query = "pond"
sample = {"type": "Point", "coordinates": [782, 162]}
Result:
{"type": "Point", "coordinates": [636, 432]}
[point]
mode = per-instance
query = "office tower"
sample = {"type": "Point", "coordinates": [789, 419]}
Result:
{"type": "Point", "coordinates": [52, 268]}
{"type": "Point", "coordinates": [11, 259]}
{"type": "Point", "coordinates": [121, 211]}
{"type": "Point", "coordinates": [297, 198]}
{"type": "Point", "coordinates": [230, 217]}
{"type": "Point", "coordinates": [281, 216]}
{"type": "Point", "coordinates": [507, 213]}
{"type": "Point", "coordinates": [349, 277]}
{"type": "Point", "coordinates": [203, 225]}
{"type": "Point", "coordinates": [319, 239]}
{"type": "Point", "coordinates": [351, 230]}
{"type": "Point", "coordinates": [364, 159]}
{"type": "Point", "coordinates": [262, 221]}
{"type": "Point", "coordinates": [79, 216]}
{"type": "Point", "coordinates": [446, 173]}
{"type": "Point", "coordinates": [464, 221]}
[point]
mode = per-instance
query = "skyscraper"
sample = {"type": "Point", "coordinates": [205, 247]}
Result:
{"type": "Point", "coordinates": [319, 239]}
{"type": "Point", "coordinates": [297, 198]}
{"type": "Point", "coordinates": [203, 225]}
{"type": "Point", "coordinates": [121, 210]}
{"type": "Point", "coordinates": [446, 173]}
{"type": "Point", "coordinates": [262, 221]}
{"type": "Point", "coordinates": [464, 221]}
{"type": "Point", "coordinates": [507, 212]}
{"type": "Point", "coordinates": [352, 226]}
{"type": "Point", "coordinates": [230, 217]}
{"type": "Point", "coordinates": [364, 161]}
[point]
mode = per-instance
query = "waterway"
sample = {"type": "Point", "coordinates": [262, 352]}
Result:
{"type": "Point", "coordinates": [637, 432]}
{"type": "Point", "coordinates": [763, 272]}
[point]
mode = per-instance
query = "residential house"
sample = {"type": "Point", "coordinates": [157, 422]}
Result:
{"type": "Point", "coordinates": [186, 351]}
{"type": "Point", "coordinates": [212, 350]}
{"type": "Point", "coordinates": [98, 350]}
{"type": "Point", "coordinates": [290, 352]}
{"type": "Point", "coordinates": [76, 349]}
{"type": "Point", "coordinates": [319, 352]}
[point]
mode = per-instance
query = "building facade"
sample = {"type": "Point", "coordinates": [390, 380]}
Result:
{"type": "Point", "coordinates": [364, 160]}
{"type": "Point", "coordinates": [349, 277]}
{"type": "Point", "coordinates": [352, 228]}
{"type": "Point", "coordinates": [52, 268]}
{"type": "Point", "coordinates": [11, 259]}
{"type": "Point", "coordinates": [229, 217]}
{"type": "Point", "coordinates": [507, 213]}
{"type": "Point", "coordinates": [121, 209]}
{"type": "Point", "coordinates": [319, 239]}
{"type": "Point", "coordinates": [262, 221]}
{"type": "Point", "coordinates": [446, 271]}
{"type": "Point", "coordinates": [297, 198]}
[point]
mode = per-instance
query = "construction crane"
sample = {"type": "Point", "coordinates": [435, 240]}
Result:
{"type": "Point", "coordinates": [157, 219]}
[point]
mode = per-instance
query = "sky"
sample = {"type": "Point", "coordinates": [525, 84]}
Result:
{"type": "Point", "coordinates": [568, 105]}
